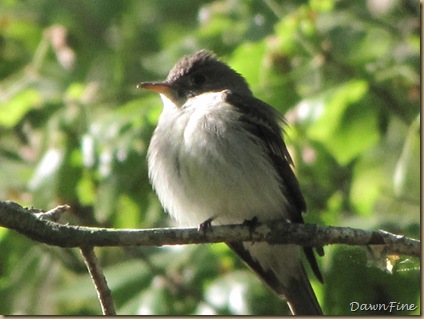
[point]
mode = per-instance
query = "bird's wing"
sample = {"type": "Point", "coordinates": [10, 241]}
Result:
{"type": "Point", "coordinates": [289, 282]}
{"type": "Point", "coordinates": [264, 122]}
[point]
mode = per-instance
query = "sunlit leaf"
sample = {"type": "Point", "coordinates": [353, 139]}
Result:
{"type": "Point", "coordinates": [406, 181]}
{"type": "Point", "coordinates": [347, 126]}
{"type": "Point", "coordinates": [247, 59]}
{"type": "Point", "coordinates": [12, 111]}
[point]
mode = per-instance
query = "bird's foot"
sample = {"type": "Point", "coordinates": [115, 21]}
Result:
{"type": "Point", "coordinates": [252, 223]}
{"type": "Point", "coordinates": [206, 225]}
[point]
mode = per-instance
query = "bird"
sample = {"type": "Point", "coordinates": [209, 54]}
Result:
{"type": "Point", "coordinates": [217, 154]}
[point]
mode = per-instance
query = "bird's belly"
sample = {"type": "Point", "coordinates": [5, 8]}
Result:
{"type": "Point", "coordinates": [228, 179]}
{"type": "Point", "coordinates": [228, 194]}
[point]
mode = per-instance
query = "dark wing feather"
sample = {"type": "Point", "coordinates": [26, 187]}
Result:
{"type": "Point", "coordinates": [267, 276]}
{"type": "Point", "coordinates": [263, 121]}
{"type": "Point", "coordinates": [298, 292]}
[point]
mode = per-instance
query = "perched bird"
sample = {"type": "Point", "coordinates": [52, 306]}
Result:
{"type": "Point", "coordinates": [218, 154]}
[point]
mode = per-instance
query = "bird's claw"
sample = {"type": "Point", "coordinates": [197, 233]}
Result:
{"type": "Point", "coordinates": [252, 223]}
{"type": "Point", "coordinates": [206, 225]}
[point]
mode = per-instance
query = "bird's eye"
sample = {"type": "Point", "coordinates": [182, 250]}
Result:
{"type": "Point", "coordinates": [198, 79]}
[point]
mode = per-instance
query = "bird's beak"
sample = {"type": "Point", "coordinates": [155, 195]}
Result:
{"type": "Point", "coordinates": [159, 87]}
{"type": "Point", "coordinates": [165, 89]}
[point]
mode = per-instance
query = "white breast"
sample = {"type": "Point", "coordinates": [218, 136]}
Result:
{"type": "Point", "coordinates": [204, 164]}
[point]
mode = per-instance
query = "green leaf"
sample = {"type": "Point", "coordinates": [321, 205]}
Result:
{"type": "Point", "coordinates": [367, 185]}
{"type": "Point", "coordinates": [349, 268]}
{"type": "Point", "coordinates": [321, 5]}
{"type": "Point", "coordinates": [128, 212]}
{"type": "Point", "coordinates": [12, 111]}
{"type": "Point", "coordinates": [247, 60]}
{"type": "Point", "coordinates": [345, 123]}
{"type": "Point", "coordinates": [286, 31]}
{"type": "Point", "coordinates": [406, 177]}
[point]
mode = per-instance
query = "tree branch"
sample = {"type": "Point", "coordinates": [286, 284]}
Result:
{"type": "Point", "coordinates": [103, 292]}
{"type": "Point", "coordinates": [39, 228]}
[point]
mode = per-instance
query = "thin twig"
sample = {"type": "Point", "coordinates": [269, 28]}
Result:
{"type": "Point", "coordinates": [103, 292]}
{"type": "Point", "coordinates": [52, 214]}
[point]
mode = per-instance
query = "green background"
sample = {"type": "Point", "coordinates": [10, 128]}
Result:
{"type": "Point", "coordinates": [74, 129]}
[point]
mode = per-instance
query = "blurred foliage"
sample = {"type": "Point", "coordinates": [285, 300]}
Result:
{"type": "Point", "coordinates": [74, 129]}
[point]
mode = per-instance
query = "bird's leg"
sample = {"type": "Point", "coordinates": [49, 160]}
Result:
{"type": "Point", "coordinates": [206, 225]}
{"type": "Point", "coordinates": [252, 223]}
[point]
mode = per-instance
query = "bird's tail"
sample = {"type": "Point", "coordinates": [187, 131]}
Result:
{"type": "Point", "coordinates": [301, 297]}
{"type": "Point", "coordinates": [279, 266]}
